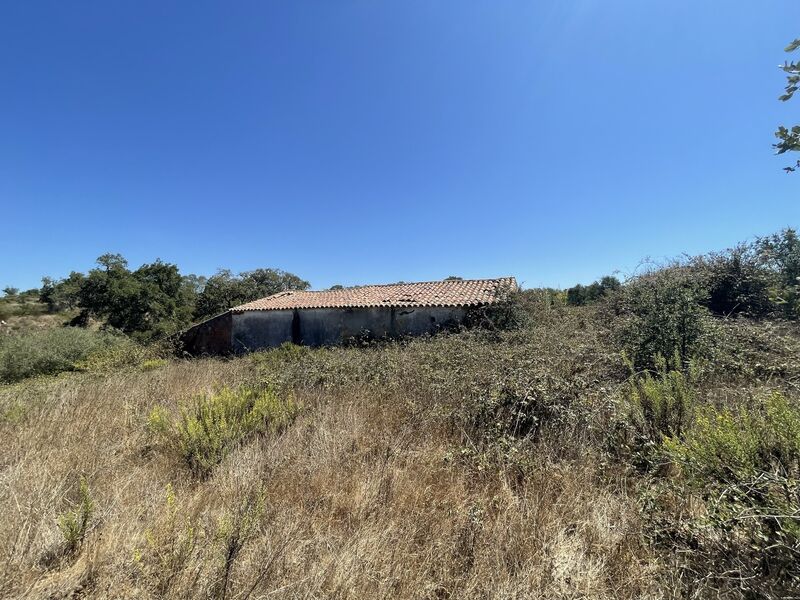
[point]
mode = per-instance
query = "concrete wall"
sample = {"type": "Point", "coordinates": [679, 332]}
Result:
{"type": "Point", "coordinates": [417, 321]}
{"type": "Point", "coordinates": [209, 337]}
{"type": "Point", "coordinates": [254, 330]}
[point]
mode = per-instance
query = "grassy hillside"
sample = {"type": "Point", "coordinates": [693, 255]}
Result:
{"type": "Point", "coordinates": [534, 462]}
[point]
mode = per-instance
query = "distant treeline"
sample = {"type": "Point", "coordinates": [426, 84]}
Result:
{"type": "Point", "coordinates": [756, 279]}
{"type": "Point", "coordinates": [155, 299]}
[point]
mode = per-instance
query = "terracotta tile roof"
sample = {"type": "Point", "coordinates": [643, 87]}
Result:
{"type": "Point", "coordinates": [466, 292]}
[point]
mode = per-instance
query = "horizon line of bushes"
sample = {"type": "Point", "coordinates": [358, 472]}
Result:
{"type": "Point", "coordinates": [667, 304]}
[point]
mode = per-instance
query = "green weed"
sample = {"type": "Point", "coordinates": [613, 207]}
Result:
{"type": "Point", "coordinates": [74, 524]}
{"type": "Point", "coordinates": [212, 425]}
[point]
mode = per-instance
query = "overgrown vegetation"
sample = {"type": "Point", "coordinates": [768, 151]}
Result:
{"type": "Point", "coordinates": [213, 425]}
{"type": "Point", "coordinates": [53, 350]}
{"type": "Point", "coordinates": [643, 444]}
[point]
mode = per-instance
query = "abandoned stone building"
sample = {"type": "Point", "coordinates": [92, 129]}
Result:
{"type": "Point", "coordinates": [333, 316]}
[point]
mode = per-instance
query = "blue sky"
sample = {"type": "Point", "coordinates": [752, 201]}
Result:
{"type": "Point", "coordinates": [359, 141]}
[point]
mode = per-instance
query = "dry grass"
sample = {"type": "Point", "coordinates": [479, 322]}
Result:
{"type": "Point", "coordinates": [361, 497]}
{"type": "Point", "coordinates": [385, 486]}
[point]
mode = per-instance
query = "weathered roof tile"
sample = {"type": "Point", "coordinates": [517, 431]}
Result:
{"type": "Point", "coordinates": [451, 292]}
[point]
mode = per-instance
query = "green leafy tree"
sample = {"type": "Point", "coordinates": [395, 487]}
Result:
{"type": "Point", "coordinates": [583, 294]}
{"type": "Point", "coordinates": [225, 290]}
{"type": "Point", "coordinates": [789, 137]}
{"type": "Point", "coordinates": [151, 301]}
{"type": "Point", "coordinates": [221, 292]}
{"type": "Point", "coordinates": [61, 294]}
{"type": "Point", "coordinates": [781, 254]}
{"type": "Point", "coordinates": [10, 291]}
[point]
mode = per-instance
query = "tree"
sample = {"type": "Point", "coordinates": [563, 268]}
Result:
{"type": "Point", "coordinates": [583, 294]}
{"type": "Point", "coordinates": [152, 301]}
{"type": "Point", "coordinates": [781, 253]}
{"type": "Point", "coordinates": [61, 294]}
{"type": "Point", "coordinates": [225, 290]}
{"type": "Point", "coordinates": [10, 291]}
{"type": "Point", "coordinates": [789, 138]}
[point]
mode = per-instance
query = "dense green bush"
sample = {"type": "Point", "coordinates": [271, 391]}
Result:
{"type": "Point", "coordinates": [50, 351]}
{"type": "Point", "coordinates": [737, 281]}
{"type": "Point", "coordinates": [508, 314]}
{"type": "Point", "coordinates": [755, 279]}
{"type": "Point", "coordinates": [663, 315]}
{"type": "Point", "coordinates": [781, 254]}
{"type": "Point", "coordinates": [212, 425]}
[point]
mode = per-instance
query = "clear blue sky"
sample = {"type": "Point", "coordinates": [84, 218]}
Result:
{"type": "Point", "coordinates": [358, 141]}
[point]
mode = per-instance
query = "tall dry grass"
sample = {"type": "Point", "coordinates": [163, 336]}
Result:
{"type": "Point", "coordinates": [410, 472]}
{"type": "Point", "coordinates": [367, 494]}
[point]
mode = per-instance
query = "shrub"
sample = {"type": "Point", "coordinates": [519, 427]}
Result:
{"type": "Point", "coordinates": [745, 465]}
{"type": "Point", "coordinates": [662, 401]}
{"type": "Point", "coordinates": [663, 316]}
{"type": "Point", "coordinates": [502, 316]}
{"type": "Point", "coordinates": [208, 429]}
{"type": "Point", "coordinates": [781, 253]}
{"type": "Point", "coordinates": [128, 353]}
{"type": "Point", "coordinates": [50, 351]}
{"type": "Point", "coordinates": [734, 446]}
{"type": "Point", "coordinates": [74, 524]}
{"type": "Point", "coordinates": [737, 282]}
